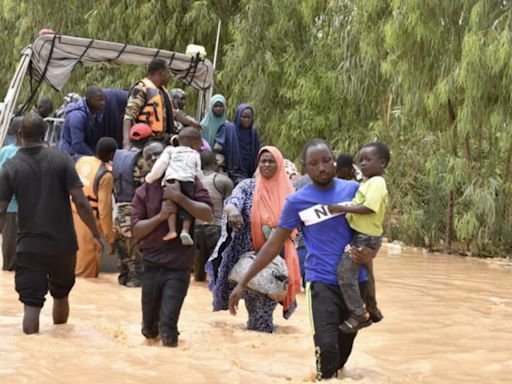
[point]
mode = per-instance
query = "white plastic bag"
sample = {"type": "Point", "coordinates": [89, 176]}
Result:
{"type": "Point", "coordinates": [271, 281]}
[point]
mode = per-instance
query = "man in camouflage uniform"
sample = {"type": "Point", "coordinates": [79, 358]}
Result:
{"type": "Point", "coordinates": [129, 260]}
{"type": "Point", "coordinates": [150, 103]}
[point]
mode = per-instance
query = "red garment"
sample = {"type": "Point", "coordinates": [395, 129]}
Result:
{"type": "Point", "coordinates": [268, 201]}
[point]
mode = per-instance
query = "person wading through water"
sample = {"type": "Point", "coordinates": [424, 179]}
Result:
{"type": "Point", "coordinates": [326, 237]}
{"type": "Point", "coordinates": [43, 179]}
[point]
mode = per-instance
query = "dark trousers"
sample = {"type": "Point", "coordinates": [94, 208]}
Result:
{"type": "Point", "coordinates": [9, 234]}
{"type": "Point", "coordinates": [163, 293]}
{"type": "Point", "coordinates": [328, 311]}
{"type": "Point", "coordinates": [206, 237]}
{"type": "Point", "coordinates": [348, 274]}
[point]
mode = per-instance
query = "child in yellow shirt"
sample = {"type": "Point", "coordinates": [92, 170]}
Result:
{"type": "Point", "coordinates": [365, 215]}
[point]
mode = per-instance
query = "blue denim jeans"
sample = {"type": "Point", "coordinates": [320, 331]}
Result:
{"type": "Point", "coordinates": [163, 292]}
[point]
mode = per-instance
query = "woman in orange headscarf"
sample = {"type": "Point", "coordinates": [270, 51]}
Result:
{"type": "Point", "coordinates": [253, 209]}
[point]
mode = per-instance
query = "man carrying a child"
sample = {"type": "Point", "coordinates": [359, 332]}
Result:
{"type": "Point", "coordinates": [167, 263]}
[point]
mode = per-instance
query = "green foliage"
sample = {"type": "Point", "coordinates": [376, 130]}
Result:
{"type": "Point", "coordinates": [432, 79]}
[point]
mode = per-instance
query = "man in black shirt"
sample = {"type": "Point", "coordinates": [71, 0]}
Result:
{"type": "Point", "coordinates": [42, 180]}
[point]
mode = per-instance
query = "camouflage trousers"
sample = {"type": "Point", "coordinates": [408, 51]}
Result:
{"type": "Point", "coordinates": [128, 256]}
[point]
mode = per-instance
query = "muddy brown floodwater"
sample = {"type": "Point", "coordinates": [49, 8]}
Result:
{"type": "Point", "coordinates": [448, 319]}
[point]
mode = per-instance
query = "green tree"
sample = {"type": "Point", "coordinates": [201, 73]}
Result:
{"type": "Point", "coordinates": [429, 78]}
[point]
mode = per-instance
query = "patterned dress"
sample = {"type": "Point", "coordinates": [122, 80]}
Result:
{"type": "Point", "coordinates": [231, 245]}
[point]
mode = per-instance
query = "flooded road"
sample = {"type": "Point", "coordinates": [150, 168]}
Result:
{"type": "Point", "coordinates": [448, 319]}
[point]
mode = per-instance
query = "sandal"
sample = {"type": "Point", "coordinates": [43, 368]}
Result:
{"type": "Point", "coordinates": [354, 323]}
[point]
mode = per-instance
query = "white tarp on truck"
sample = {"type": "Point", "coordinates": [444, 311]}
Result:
{"type": "Point", "coordinates": [51, 58]}
{"type": "Point", "coordinates": [55, 56]}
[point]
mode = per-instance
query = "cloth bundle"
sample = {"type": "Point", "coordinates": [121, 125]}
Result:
{"type": "Point", "coordinates": [271, 281]}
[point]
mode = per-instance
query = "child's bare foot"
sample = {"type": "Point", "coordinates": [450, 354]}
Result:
{"type": "Point", "coordinates": [170, 236]}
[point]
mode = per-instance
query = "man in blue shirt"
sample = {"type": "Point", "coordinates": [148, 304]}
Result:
{"type": "Point", "coordinates": [326, 237]}
{"type": "Point", "coordinates": [11, 219]}
{"type": "Point", "coordinates": [79, 131]}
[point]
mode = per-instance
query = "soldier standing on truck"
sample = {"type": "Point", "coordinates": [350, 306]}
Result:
{"type": "Point", "coordinates": [150, 103]}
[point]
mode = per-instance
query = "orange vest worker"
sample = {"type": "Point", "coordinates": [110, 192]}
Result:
{"type": "Point", "coordinates": [96, 176]}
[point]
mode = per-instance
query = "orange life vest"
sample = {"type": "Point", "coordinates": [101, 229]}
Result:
{"type": "Point", "coordinates": [153, 111]}
{"type": "Point", "coordinates": [90, 169]}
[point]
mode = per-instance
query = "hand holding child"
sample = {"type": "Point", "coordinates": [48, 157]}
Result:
{"type": "Point", "coordinates": [362, 255]}
{"type": "Point", "coordinates": [172, 192]}
{"type": "Point", "coordinates": [336, 208]}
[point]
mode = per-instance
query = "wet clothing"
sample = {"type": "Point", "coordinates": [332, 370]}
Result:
{"type": "Point", "coordinates": [325, 242]}
{"type": "Point", "coordinates": [36, 273]}
{"type": "Point", "coordinates": [167, 264]}
{"type": "Point", "coordinates": [348, 272]}
{"type": "Point", "coordinates": [163, 294]}
{"type": "Point", "coordinates": [42, 178]}
{"type": "Point", "coordinates": [231, 246]}
{"type": "Point", "coordinates": [373, 194]}
{"type": "Point", "coordinates": [327, 311]}
{"type": "Point", "coordinates": [269, 198]}
{"type": "Point", "coordinates": [9, 234]}
{"type": "Point", "coordinates": [79, 136]}
{"type": "Point", "coordinates": [240, 147]}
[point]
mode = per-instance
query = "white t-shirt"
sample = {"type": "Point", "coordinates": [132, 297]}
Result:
{"type": "Point", "coordinates": [179, 163]}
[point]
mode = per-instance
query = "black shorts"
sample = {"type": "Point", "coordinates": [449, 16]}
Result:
{"type": "Point", "coordinates": [36, 273]}
{"type": "Point", "coordinates": [187, 188]}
